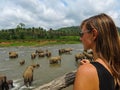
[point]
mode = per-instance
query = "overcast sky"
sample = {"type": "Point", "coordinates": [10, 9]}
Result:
{"type": "Point", "coordinates": [54, 13]}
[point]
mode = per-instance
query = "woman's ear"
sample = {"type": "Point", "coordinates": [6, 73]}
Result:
{"type": "Point", "coordinates": [95, 34]}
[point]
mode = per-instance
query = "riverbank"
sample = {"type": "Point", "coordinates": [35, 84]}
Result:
{"type": "Point", "coordinates": [35, 43]}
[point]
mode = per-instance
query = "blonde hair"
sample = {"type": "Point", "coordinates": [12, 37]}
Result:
{"type": "Point", "coordinates": [107, 41]}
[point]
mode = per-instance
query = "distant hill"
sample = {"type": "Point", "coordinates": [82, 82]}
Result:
{"type": "Point", "coordinates": [74, 29]}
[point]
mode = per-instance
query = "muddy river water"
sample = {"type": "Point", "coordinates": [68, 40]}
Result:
{"type": "Point", "coordinates": [45, 73]}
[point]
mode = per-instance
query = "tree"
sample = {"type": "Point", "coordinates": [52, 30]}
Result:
{"type": "Point", "coordinates": [20, 26]}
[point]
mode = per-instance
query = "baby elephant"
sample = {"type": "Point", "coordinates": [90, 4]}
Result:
{"type": "Point", "coordinates": [28, 75]}
{"type": "Point", "coordinates": [22, 62]}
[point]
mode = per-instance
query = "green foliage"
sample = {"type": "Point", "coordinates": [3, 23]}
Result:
{"type": "Point", "coordinates": [22, 36]}
{"type": "Point", "coordinates": [21, 33]}
{"type": "Point", "coordinates": [38, 33]}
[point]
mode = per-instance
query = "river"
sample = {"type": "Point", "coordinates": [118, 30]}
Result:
{"type": "Point", "coordinates": [45, 73]}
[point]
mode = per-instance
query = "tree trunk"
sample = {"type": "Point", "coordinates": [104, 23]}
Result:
{"type": "Point", "coordinates": [59, 83]}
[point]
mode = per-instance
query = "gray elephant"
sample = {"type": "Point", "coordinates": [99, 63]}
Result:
{"type": "Point", "coordinates": [55, 59]}
{"type": "Point", "coordinates": [28, 75]}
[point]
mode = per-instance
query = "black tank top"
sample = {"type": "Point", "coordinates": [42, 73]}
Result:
{"type": "Point", "coordinates": [106, 80]}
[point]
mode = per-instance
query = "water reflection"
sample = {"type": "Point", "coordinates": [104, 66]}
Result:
{"type": "Point", "coordinates": [56, 65]}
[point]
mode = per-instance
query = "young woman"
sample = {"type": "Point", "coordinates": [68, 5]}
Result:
{"type": "Point", "coordinates": [100, 34]}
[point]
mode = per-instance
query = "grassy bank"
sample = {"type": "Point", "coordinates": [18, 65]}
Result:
{"type": "Point", "coordinates": [35, 42]}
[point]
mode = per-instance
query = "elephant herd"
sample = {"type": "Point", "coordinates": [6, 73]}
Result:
{"type": "Point", "coordinates": [52, 60]}
{"type": "Point", "coordinates": [40, 53]}
{"type": "Point", "coordinates": [28, 72]}
{"type": "Point", "coordinates": [84, 55]}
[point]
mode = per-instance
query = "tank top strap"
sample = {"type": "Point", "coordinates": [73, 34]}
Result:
{"type": "Point", "coordinates": [106, 80]}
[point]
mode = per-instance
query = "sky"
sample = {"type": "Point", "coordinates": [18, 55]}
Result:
{"type": "Point", "coordinates": [54, 14]}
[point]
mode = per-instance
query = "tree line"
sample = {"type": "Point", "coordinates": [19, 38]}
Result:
{"type": "Point", "coordinates": [22, 33]}
{"type": "Point", "coordinates": [35, 33]}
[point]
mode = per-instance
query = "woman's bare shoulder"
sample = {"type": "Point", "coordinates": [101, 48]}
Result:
{"type": "Point", "coordinates": [88, 71]}
{"type": "Point", "coordinates": [85, 74]}
{"type": "Point", "coordinates": [86, 68]}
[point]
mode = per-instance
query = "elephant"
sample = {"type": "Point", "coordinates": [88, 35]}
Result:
{"type": "Point", "coordinates": [13, 54]}
{"type": "Point", "coordinates": [28, 75]}
{"type": "Point", "coordinates": [61, 51]}
{"type": "Point", "coordinates": [79, 56]}
{"type": "Point", "coordinates": [55, 59]}
{"type": "Point", "coordinates": [48, 53]}
{"type": "Point", "coordinates": [86, 54]}
{"type": "Point", "coordinates": [39, 51]}
{"type": "Point", "coordinates": [42, 54]}
{"type": "Point", "coordinates": [67, 50]}
{"type": "Point", "coordinates": [3, 83]}
{"type": "Point", "coordinates": [89, 55]}
{"type": "Point", "coordinates": [22, 62]}
{"type": "Point", "coordinates": [33, 55]}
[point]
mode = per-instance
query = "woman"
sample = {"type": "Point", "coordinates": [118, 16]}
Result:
{"type": "Point", "coordinates": [100, 34]}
